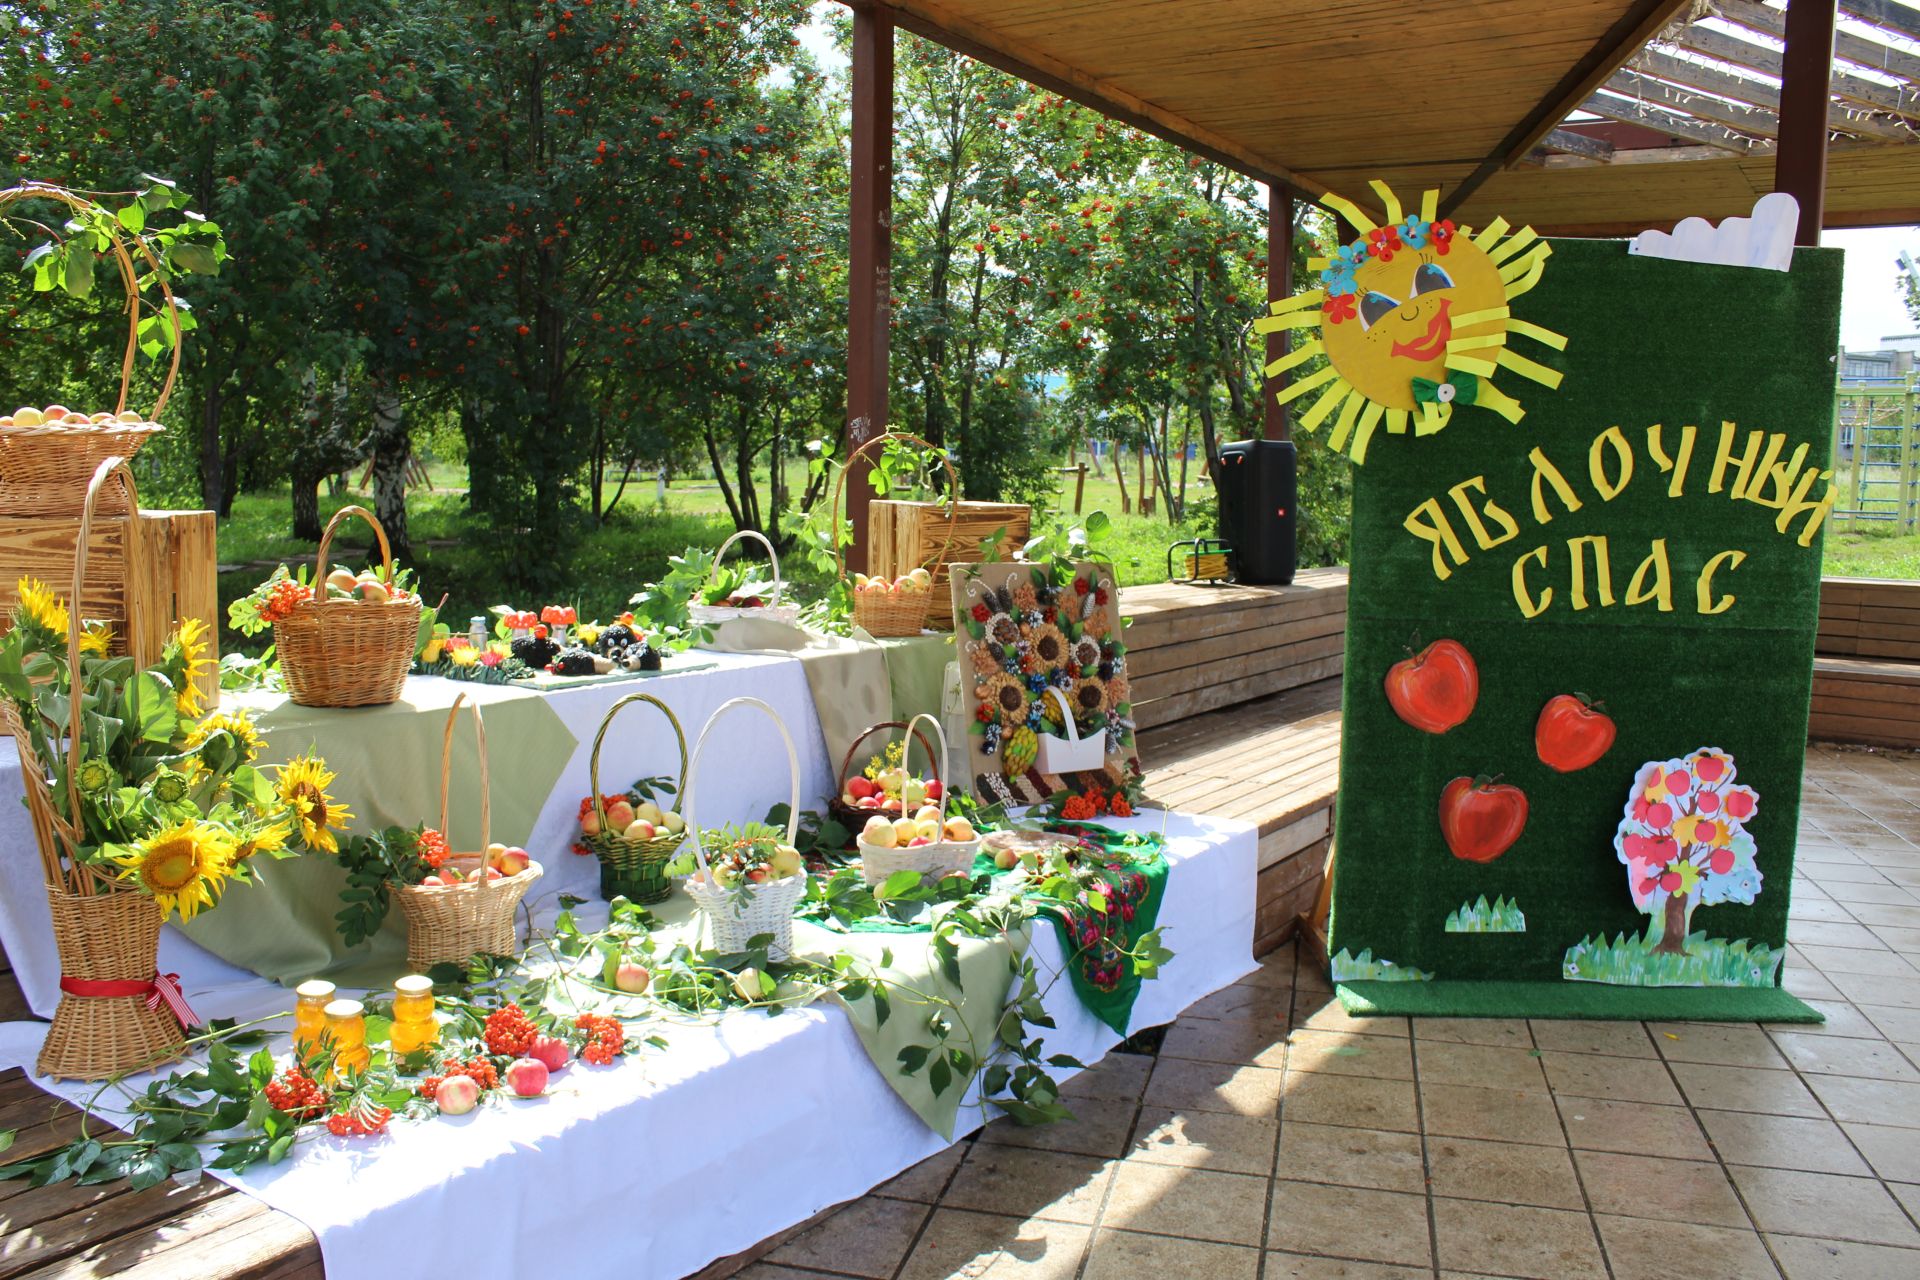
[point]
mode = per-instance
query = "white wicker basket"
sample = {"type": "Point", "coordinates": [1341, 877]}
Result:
{"type": "Point", "coordinates": [737, 915]}
{"type": "Point", "coordinates": [1073, 753]}
{"type": "Point", "coordinates": [933, 861]}
{"type": "Point", "coordinates": [713, 615]}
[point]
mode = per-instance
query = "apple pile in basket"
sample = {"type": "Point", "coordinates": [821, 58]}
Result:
{"type": "Point", "coordinates": [914, 582]}
{"type": "Point", "coordinates": [501, 861]}
{"type": "Point", "coordinates": [887, 787]}
{"type": "Point", "coordinates": [922, 829]}
{"type": "Point", "coordinates": [632, 818]}
{"type": "Point", "coordinates": [749, 854]}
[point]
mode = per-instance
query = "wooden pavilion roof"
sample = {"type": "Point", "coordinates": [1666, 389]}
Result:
{"type": "Point", "coordinates": [1578, 116]}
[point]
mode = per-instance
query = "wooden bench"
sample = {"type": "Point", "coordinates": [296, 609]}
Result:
{"type": "Point", "coordinates": [1237, 690]}
{"type": "Point", "coordinates": [1866, 666]}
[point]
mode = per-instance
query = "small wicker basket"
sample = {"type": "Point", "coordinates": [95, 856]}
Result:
{"type": "Point", "coordinates": [934, 861]}
{"type": "Point", "coordinates": [636, 869]}
{"type": "Point", "coordinates": [713, 615]}
{"type": "Point", "coordinates": [885, 612]}
{"type": "Point", "coordinates": [853, 816]}
{"type": "Point", "coordinates": [735, 916]}
{"type": "Point", "coordinates": [347, 653]}
{"type": "Point", "coordinates": [453, 922]}
{"type": "Point", "coordinates": [44, 470]}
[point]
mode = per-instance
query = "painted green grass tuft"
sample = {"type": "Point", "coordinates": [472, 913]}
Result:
{"type": "Point", "coordinates": [1708, 962]}
{"type": "Point", "coordinates": [1364, 968]}
{"type": "Point", "coordinates": [1499, 916]}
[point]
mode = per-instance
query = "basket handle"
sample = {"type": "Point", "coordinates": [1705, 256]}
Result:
{"type": "Point", "coordinates": [446, 772]}
{"type": "Point", "coordinates": [326, 545]}
{"type": "Point", "coordinates": [853, 748]}
{"type": "Point", "coordinates": [793, 772]}
{"type": "Point", "coordinates": [593, 761]}
{"type": "Point", "coordinates": [1066, 712]}
{"type": "Point", "coordinates": [124, 260]}
{"type": "Point", "coordinates": [940, 766]}
{"type": "Point", "coordinates": [719, 557]}
{"type": "Point", "coordinates": [953, 497]}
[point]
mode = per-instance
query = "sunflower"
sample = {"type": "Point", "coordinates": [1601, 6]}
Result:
{"type": "Point", "coordinates": [41, 607]}
{"type": "Point", "coordinates": [183, 867]}
{"type": "Point", "coordinates": [192, 641]}
{"type": "Point", "coordinates": [303, 786]}
{"type": "Point", "coordinates": [97, 639]}
{"type": "Point", "coordinates": [237, 725]}
{"type": "Point", "coordinates": [97, 777]}
{"type": "Point", "coordinates": [169, 787]}
{"type": "Point", "coordinates": [1089, 699]}
{"type": "Point", "coordinates": [1049, 646]}
{"type": "Point", "coordinates": [272, 838]}
{"type": "Point", "coordinates": [1007, 696]}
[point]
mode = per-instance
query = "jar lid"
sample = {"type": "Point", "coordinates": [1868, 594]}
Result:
{"type": "Point", "coordinates": [414, 984]}
{"type": "Point", "coordinates": [345, 1009]}
{"type": "Point", "coordinates": [314, 989]}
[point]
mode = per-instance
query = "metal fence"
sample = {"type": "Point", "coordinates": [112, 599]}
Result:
{"type": "Point", "coordinates": [1876, 451]}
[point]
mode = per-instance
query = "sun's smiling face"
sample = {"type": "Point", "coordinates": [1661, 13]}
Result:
{"type": "Point", "coordinates": [1406, 309]}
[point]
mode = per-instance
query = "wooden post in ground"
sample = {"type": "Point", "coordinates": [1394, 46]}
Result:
{"type": "Point", "coordinates": [1800, 166]}
{"type": "Point", "coordinates": [1146, 490]}
{"type": "Point", "coordinates": [869, 254]}
{"type": "Point", "coordinates": [1279, 286]}
{"type": "Point", "coordinates": [1080, 489]}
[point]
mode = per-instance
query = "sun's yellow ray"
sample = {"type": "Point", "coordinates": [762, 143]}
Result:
{"type": "Point", "coordinates": [1430, 204]}
{"type": "Point", "coordinates": [1343, 425]}
{"type": "Point", "coordinates": [1389, 201]}
{"type": "Point", "coordinates": [1294, 390]}
{"type": "Point", "coordinates": [1477, 344]}
{"type": "Point", "coordinates": [1317, 264]}
{"type": "Point", "coordinates": [1545, 337]}
{"type": "Point", "coordinates": [1295, 358]}
{"type": "Point", "coordinates": [1529, 369]}
{"type": "Point", "coordinates": [1512, 245]}
{"type": "Point", "coordinates": [1492, 397]}
{"type": "Point", "coordinates": [1363, 432]}
{"type": "Point", "coordinates": [1310, 298]}
{"type": "Point", "coordinates": [1466, 364]}
{"type": "Point", "coordinates": [1433, 418]}
{"type": "Point", "coordinates": [1521, 265]}
{"type": "Point", "coordinates": [1469, 319]}
{"type": "Point", "coordinates": [1396, 422]}
{"type": "Point", "coordinates": [1494, 230]}
{"type": "Point", "coordinates": [1328, 401]}
{"type": "Point", "coordinates": [1536, 264]}
{"type": "Point", "coordinates": [1350, 211]}
{"type": "Point", "coordinates": [1292, 320]}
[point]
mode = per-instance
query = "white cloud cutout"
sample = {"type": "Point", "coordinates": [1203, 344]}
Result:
{"type": "Point", "coordinates": [1764, 240]}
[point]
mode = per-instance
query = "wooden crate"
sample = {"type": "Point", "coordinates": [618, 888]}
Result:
{"type": "Point", "coordinates": [904, 535]}
{"type": "Point", "coordinates": [141, 585]}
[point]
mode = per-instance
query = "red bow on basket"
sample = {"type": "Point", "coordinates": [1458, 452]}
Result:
{"type": "Point", "coordinates": [160, 987]}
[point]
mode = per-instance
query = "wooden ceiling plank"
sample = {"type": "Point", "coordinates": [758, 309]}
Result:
{"type": "Point", "coordinates": [1633, 111]}
{"type": "Point", "coordinates": [1881, 13]}
{"type": "Point", "coordinates": [1578, 144]}
{"type": "Point", "coordinates": [1760, 94]}
{"type": "Point", "coordinates": [1854, 48]}
{"type": "Point", "coordinates": [1756, 122]}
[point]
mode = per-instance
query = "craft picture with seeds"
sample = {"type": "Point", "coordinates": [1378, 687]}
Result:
{"type": "Point", "coordinates": [1044, 670]}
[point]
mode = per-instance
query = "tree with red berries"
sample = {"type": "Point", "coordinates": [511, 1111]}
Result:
{"type": "Point", "coordinates": [1684, 842]}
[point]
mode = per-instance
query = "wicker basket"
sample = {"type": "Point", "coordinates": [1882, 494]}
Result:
{"type": "Point", "coordinates": [738, 915]}
{"type": "Point", "coordinates": [884, 611]}
{"type": "Point", "coordinates": [852, 816]}
{"type": "Point", "coordinates": [636, 869]}
{"type": "Point", "coordinates": [934, 861]}
{"type": "Point", "coordinates": [44, 470]}
{"type": "Point", "coordinates": [452, 922]}
{"type": "Point", "coordinates": [102, 934]}
{"type": "Point", "coordinates": [347, 653]}
{"type": "Point", "coordinates": [713, 615]}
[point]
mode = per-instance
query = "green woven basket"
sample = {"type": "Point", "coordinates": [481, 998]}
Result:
{"type": "Point", "coordinates": [635, 869]}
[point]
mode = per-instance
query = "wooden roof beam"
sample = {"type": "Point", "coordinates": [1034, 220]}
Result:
{"type": "Point", "coordinates": [1894, 17]}
{"type": "Point", "coordinates": [1644, 20]}
{"type": "Point", "coordinates": [1756, 122]}
{"type": "Point", "coordinates": [962, 35]}
{"type": "Point", "coordinates": [1868, 53]}
{"type": "Point", "coordinates": [1678, 126]}
{"type": "Point", "coordinates": [1760, 94]}
{"type": "Point", "coordinates": [1578, 144]}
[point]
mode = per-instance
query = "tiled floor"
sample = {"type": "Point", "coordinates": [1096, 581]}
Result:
{"type": "Point", "coordinates": [1275, 1138]}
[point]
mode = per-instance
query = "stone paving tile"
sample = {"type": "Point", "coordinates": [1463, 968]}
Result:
{"type": "Point", "coordinates": [1497, 1031]}
{"type": "Point", "coordinates": [1638, 1249]}
{"type": "Point", "coordinates": [1485, 1066]}
{"type": "Point", "coordinates": [1805, 1259]}
{"type": "Point", "coordinates": [1308, 1218]}
{"type": "Point", "coordinates": [1354, 1100]}
{"type": "Point", "coordinates": [984, 1246]}
{"type": "Point", "coordinates": [1631, 1186]}
{"type": "Point", "coordinates": [1894, 1102]}
{"type": "Point", "coordinates": [1196, 1203]}
{"type": "Point", "coordinates": [1594, 1124]}
{"type": "Point", "coordinates": [1205, 1140]}
{"type": "Point", "coordinates": [1588, 1075]}
{"type": "Point", "coordinates": [1030, 1184]}
{"type": "Point", "coordinates": [1461, 1111]}
{"type": "Point", "coordinates": [1718, 1044]}
{"type": "Point", "coordinates": [1510, 1240]}
{"type": "Point", "coordinates": [1826, 1205]}
{"type": "Point", "coordinates": [1097, 1129]}
{"type": "Point", "coordinates": [1127, 1255]}
{"type": "Point", "coordinates": [1843, 1056]}
{"type": "Point", "coordinates": [1783, 1142]}
{"type": "Point", "coordinates": [1622, 1039]}
{"type": "Point", "coordinates": [1339, 1155]}
{"type": "Point", "coordinates": [926, 1180]}
{"type": "Point", "coordinates": [1777, 1093]}
{"type": "Point", "coordinates": [869, 1237]}
{"type": "Point", "coordinates": [1214, 1086]}
{"type": "Point", "coordinates": [1505, 1172]}
{"type": "Point", "coordinates": [1258, 1041]}
{"type": "Point", "coordinates": [1344, 1053]}
{"type": "Point", "coordinates": [1294, 1266]}
{"type": "Point", "coordinates": [1894, 1153]}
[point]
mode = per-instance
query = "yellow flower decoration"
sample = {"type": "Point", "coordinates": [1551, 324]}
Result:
{"type": "Point", "coordinates": [41, 606]}
{"type": "Point", "coordinates": [316, 815]}
{"type": "Point", "coordinates": [271, 838]}
{"type": "Point", "coordinates": [192, 639]}
{"type": "Point", "coordinates": [183, 867]}
{"type": "Point", "coordinates": [238, 724]}
{"type": "Point", "coordinates": [97, 639]}
{"type": "Point", "coordinates": [465, 656]}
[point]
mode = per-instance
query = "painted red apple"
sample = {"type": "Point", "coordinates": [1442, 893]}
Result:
{"type": "Point", "coordinates": [1572, 733]}
{"type": "Point", "coordinates": [1435, 689]}
{"type": "Point", "coordinates": [1481, 817]}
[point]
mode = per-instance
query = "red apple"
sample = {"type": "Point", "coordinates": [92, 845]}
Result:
{"type": "Point", "coordinates": [632, 978]}
{"type": "Point", "coordinates": [553, 1052]}
{"type": "Point", "coordinates": [527, 1077]}
{"type": "Point", "coordinates": [1481, 818]}
{"type": "Point", "coordinates": [456, 1095]}
{"type": "Point", "coordinates": [1435, 689]}
{"type": "Point", "coordinates": [935, 790]}
{"type": "Point", "coordinates": [860, 788]}
{"type": "Point", "coordinates": [1572, 733]}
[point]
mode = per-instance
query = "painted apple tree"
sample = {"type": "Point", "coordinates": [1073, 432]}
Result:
{"type": "Point", "coordinates": [1684, 843]}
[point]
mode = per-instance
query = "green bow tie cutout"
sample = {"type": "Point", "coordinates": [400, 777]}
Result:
{"type": "Point", "coordinates": [1460, 389]}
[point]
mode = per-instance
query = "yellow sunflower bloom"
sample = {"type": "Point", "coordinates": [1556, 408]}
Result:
{"type": "Point", "coordinates": [192, 639]}
{"type": "Point", "coordinates": [238, 724]}
{"type": "Point", "coordinates": [41, 606]}
{"type": "Point", "coordinates": [97, 639]}
{"type": "Point", "coordinates": [269, 839]}
{"type": "Point", "coordinates": [316, 815]}
{"type": "Point", "coordinates": [183, 867]}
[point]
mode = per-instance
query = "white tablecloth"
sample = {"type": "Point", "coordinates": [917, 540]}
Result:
{"type": "Point", "coordinates": [656, 1166]}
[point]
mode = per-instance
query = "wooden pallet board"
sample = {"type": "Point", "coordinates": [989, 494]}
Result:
{"type": "Point", "coordinates": [1867, 700]}
{"type": "Point", "coordinates": [1869, 618]}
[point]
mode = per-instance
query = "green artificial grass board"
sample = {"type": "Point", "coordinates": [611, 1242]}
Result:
{"type": "Point", "coordinates": [1573, 1000]}
{"type": "Point", "coordinates": [1649, 342]}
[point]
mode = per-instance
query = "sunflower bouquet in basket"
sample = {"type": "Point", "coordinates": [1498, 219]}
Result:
{"type": "Point", "coordinates": [162, 797]}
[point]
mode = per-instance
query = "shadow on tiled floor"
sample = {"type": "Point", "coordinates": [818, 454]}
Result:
{"type": "Point", "coordinates": [1275, 1138]}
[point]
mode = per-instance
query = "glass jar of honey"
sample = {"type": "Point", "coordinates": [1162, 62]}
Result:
{"type": "Point", "coordinates": [347, 1033]}
{"type": "Point", "coordinates": [310, 1003]}
{"type": "Point", "coordinates": [414, 1026]}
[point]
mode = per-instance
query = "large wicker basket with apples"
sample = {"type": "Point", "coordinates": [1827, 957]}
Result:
{"type": "Point", "coordinates": [748, 883]}
{"type": "Point", "coordinates": [351, 643]}
{"type": "Point", "coordinates": [634, 842]}
{"type": "Point", "coordinates": [468, 907]}
{"type": "Point", "coordinates": [888, 786]}
{"type": "Point", "coordinates": [925, 840]}
{"type": "Point", "coordinates": [897, 606]}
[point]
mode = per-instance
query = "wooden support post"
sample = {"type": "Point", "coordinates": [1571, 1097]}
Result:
{"type": "Point", "coordinates": [869, 254]}
{"type": "Point", "coordinates": [1279, 286]}
{"type": "Point", "coordinates": [1800, 167]}
{"type": "Point", "coordinates": [1080, 489]}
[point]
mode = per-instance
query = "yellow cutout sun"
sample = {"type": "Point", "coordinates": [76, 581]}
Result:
{"type": "Point", "coordinates": [1413, 320]}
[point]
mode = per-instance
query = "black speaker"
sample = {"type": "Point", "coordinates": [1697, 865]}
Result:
{"type": "Point", "coordinates": [1259, 483]}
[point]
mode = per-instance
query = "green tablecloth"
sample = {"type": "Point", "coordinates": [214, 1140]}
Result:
{"type": "Point", "coordinates": [388, 762]}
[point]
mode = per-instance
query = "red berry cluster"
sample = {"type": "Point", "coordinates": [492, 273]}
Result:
{"type": "Point", "coordinates": [606, 1038]}
{"type": "Point", "coordinates": [359, 1122]}
{"type": "Point", "coordinates": [510, 1032]}
{"type": "Point", "coordinates": [297, 1094]}
{"type": "Point", "coordinates": [432, 847]}
{"type": "Point", "coordinates": [476, 1069]}
{"type": "Point", "coordinates": [281, 600]}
